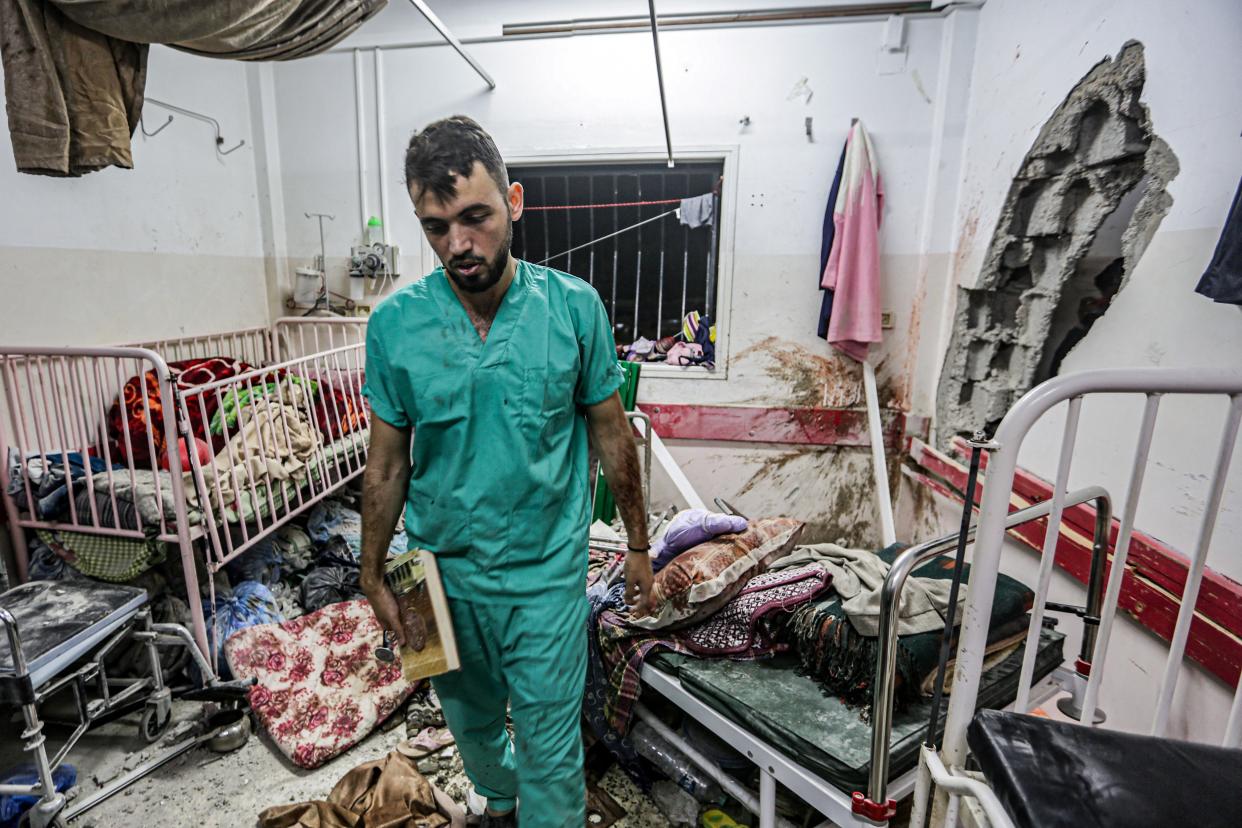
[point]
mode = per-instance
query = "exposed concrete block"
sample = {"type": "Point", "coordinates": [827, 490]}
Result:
{"type": "Point", "coordinates": [1097, 147]}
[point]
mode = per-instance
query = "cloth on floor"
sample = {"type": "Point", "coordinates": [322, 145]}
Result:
{"type": "Point", "coordinates": [262, 563]}
{"type": "Point", "coordinates": [1222, 281]}
{"type": "Point", "coordinates": [326, 585]}
{"type": "Point", "coordinates": [857, 578]}
{"type": "Point", "coordinates": [75, 70]}
{"type": "Point", "coordinates": [388, 792]}
{"type": "Point", "coordinates": [742, 627]}
{"type": "Point", "coordinates": [702, 580]}
{"type": "Point", "coordinates": [825, 248]}
{"type": "Point", "coordinates": [698, 211]}
{"type": "Point", "coordinates": [690, 528]}
{"type": "Point", "coordinates": [12, 806]}
{"type": "Point", "coordinates": [249, 604]}
{"type": "Point", "coordinates": [320, 688]}
{"type": "Point", "coordinates": [833, 652]}
{"type": "Point", "coordinates": [294, 545]}
{"type": "Point", "coordinates": [106, 557]}
{"type": "Point", "coordinates": [333, 519]}
{"type": "Point", "coordinates": [853, 269]}
{"type": "Point", "coordinates": [288, 600]}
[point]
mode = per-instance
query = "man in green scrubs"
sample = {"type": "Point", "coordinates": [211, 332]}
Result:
{"type": "Point", "coordinates": [498, 370]}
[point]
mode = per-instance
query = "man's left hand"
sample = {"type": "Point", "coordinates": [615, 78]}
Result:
{"type": "Point", "coordinates": [638, 579]}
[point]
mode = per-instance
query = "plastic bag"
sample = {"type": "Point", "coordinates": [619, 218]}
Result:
{"type": "Point", "coordinates": [329, 585]}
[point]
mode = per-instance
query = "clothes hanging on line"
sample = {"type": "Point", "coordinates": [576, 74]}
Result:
{"type": "Point", "coordinates": [698, 211]}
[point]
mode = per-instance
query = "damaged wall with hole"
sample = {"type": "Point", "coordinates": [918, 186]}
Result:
{"type": "Point", "coordinates": [1032, 66]}
{"type": "Point", "coordinates": [1096, 150]}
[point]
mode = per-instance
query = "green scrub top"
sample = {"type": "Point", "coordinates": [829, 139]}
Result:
{"type": "Point", "coordinates": [498, 485]}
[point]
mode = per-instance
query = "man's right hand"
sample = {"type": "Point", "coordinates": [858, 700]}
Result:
{"type": "Point", "coordinates": [384, 605]}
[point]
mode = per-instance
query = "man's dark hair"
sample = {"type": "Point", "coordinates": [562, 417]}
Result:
{"type": "Point", "coordinates": [448, 148]}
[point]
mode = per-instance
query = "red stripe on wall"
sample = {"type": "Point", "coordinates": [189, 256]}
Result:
{"type": "Point", "coordinates": [1156, 574]}
{"type": "Point", "coordinates": [796, 426]}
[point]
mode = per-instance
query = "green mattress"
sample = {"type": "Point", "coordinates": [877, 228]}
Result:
{"type": "Point", "coordinates": [793, 714]}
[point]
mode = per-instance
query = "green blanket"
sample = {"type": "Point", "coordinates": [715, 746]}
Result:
{"type": "Point", "coordinates": [789, 711]}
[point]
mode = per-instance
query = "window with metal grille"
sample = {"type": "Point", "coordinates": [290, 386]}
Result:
{"type": "Point", "coordinates": [614, 225]}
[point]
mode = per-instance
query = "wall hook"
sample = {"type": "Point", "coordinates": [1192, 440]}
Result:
{"type": "Point", "coordinates": [199, 116]}
{"type": "Point", "coordinates": [143, 126]}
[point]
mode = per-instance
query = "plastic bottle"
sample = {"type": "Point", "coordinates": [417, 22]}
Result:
{"type": "Point", "coordinates": [673, 763]}
{"type": "Point", "coordinates": [375, 231]}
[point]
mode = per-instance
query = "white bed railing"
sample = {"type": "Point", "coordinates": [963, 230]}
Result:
{"type": "Point", "coordinates": [1153, 384]}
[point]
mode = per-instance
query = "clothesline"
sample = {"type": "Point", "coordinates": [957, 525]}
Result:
{"type": "Point", "coordinates": [610, 235]}
{"type": "Point", "coordinates": [603, 206]}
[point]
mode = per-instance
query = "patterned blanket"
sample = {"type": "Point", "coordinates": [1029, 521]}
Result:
{"type": "Point", "coordinates": [320, 688]}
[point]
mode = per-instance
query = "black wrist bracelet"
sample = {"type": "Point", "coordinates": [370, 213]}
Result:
{"type": "Point", "coordinates": [638, 548]}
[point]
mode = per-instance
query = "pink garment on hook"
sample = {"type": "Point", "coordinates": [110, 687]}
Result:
{"type": "Point", "coordinates": [853, 269]}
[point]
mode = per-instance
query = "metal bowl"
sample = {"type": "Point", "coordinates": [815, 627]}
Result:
{"type": "Point", "coordinates": [230, 730]}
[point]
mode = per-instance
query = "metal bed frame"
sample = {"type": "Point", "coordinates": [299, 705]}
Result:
{"type": "Point", "coordinates": [55, 400]}
{"type": "Point", "coordinates": [78, 665]}
{"type": "Point", "coordinates": [946, 768]}
{"type": "Point", "coordinates": [878, 804]}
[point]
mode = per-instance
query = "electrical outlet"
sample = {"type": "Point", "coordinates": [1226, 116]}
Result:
{"type": "Point", "coordinates": [888, 320]}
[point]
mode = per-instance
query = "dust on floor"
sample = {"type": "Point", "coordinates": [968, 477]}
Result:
{"type": "Point", "coordinates": [202, 789]}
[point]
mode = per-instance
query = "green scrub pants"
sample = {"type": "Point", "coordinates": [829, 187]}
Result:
{"type": "Point", "coordinates": [530, 658]}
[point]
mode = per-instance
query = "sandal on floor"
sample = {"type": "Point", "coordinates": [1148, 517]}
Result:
{"type": "Point", "coordinates": [428, 741]}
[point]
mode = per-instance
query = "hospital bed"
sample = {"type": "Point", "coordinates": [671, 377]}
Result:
{"type": "Point", "coordinates": [1004, 769]}
{"type": "Point", "coordinates": [852, 771]}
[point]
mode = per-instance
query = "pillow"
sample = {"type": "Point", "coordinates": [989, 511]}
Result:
{"type": "Point", "coordinates": [320, 688]}
{"type": "Point", "coordinates": [699, 582]}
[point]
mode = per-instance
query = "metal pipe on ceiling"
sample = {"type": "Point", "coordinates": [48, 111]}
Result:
{"type": "Point", "coordinates": [435, 21]}
{"type": "Point", "coordinates": [595, 25]}
{"type": "Point", "coordinates": [655, 39]}
{"type": "Point", "coordinates": [569, 28]}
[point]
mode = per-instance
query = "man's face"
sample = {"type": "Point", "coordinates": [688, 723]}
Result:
{"type": "Point", "coordinates": [472, 231]}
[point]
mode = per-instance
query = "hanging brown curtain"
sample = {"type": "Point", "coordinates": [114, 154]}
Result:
{"type": "Point", "coordinates": [74, 70]}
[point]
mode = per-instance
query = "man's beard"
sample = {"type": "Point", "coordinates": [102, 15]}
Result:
{"type": "Point", "coordinates": [490, 272]}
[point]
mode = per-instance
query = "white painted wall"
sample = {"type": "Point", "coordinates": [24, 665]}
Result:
{"type": "Point", "coordinates": [566, 95]}
{"type": "Point", "coordinates": [172, 247]}
{"type": "Point", "coordinates": [1027, 58]}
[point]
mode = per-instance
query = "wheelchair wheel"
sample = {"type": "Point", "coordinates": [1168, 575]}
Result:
{"type": "Point", "coordinates": [150, 726]}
